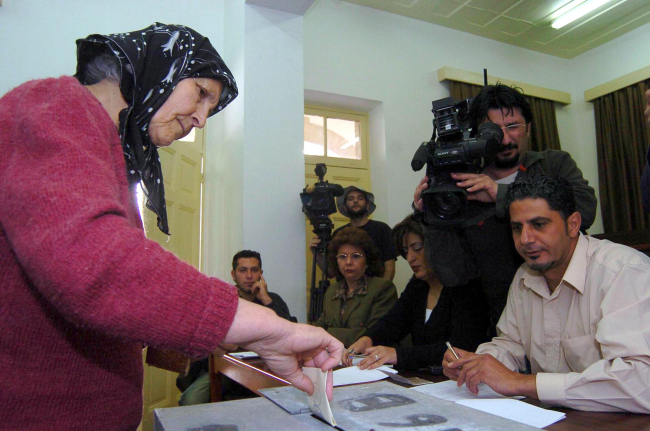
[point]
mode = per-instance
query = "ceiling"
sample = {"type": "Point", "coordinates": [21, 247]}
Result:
{"type": "Point", "coordinates": [525, 23]}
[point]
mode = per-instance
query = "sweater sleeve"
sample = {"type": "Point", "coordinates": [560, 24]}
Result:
{"type": "Point", "coordinates": [70, 222]}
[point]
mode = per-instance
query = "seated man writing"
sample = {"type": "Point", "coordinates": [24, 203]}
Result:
{"type": "Point", "coordinates": [578, 310]}
{"type": "Point", "coordinates": [247, 275]}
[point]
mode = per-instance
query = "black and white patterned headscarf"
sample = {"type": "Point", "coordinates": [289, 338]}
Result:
{"type": "Point", "coordinates": [153, 61]}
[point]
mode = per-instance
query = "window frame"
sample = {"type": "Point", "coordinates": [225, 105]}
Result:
{"type": "Point", "coordinates": [362, 118]}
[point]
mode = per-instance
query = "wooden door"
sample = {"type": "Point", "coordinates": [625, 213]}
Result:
{"type": "Point", "coordinates": [183, 175]}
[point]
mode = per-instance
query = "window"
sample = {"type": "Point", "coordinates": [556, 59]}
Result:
{"type": "Point", "coordinates": [337, 138]}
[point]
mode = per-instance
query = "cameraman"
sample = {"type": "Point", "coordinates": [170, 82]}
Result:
{"type": "Point", "coordinates": [357, 204]}
{"type": "Point", "coordinates": [486, 240]}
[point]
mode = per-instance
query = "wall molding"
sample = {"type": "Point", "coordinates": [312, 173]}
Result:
{"type": "Point", "coordinates": [617, 84]}
{"type": "Point", "coordinates": [459, 75]}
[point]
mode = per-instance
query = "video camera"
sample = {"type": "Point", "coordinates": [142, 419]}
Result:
{"type": "Point", "coordinates": [319, 203]}
{"type": "Point", "coordinates": [452, 149]}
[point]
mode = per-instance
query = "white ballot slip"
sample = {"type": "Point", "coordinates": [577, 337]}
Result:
{"type": "Point", "coordinates": [318, 402]}
{"type": "Point", "coordinates": [354, 375]}
{"type": "Point", "coordinates": [448, 390]}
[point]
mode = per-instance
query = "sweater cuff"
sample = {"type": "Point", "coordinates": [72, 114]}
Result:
{"type": "Point", "coordinates": [217, 318]}
{"type": "Point", "coordinates": [550, 388]}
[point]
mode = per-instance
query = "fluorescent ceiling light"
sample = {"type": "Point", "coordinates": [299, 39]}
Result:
{"type": "Point", "coordinates": [577, 12]}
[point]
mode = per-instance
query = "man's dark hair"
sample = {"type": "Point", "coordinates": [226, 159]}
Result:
{"type": "Point", "coordinates": [402, 229]}
{"type": "Point", "coordinates": [557, 192]}
{"type": "Point", "coordinates": [358, 238]}
{"type": "Point", "coordinates": [501, 97]}
{"type": "Point", "coordinates": [245, 254]}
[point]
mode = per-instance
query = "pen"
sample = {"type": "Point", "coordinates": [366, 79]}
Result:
{"type": "Point", "coordinates": [452, 350]}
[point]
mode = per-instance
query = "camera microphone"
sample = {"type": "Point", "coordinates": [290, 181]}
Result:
{"type": "Point", "coordinates": [420, 157]}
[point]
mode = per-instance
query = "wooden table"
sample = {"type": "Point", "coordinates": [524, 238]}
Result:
{"type": "Point", "coordinates": [250, 373]}
{"type": "Point", "coordinates": [253, 374]}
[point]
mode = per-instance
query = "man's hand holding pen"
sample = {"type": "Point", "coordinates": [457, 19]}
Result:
{"type": "Point", "coordinates": [472, 369]}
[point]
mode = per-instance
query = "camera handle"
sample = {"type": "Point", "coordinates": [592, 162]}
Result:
{"type": "Point", "coordinates": [317, 294]}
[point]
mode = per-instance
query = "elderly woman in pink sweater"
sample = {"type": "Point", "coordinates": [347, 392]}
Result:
{"type": "Point", "coordinates": [82, 288]}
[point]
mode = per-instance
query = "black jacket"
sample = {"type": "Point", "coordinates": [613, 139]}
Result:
{"type": "Point", "coordinates": [460, 317]}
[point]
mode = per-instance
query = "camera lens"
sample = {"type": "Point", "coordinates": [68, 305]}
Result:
{"type": "Point", "coordinates": [446, 205]}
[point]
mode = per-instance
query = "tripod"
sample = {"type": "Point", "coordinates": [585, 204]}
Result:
{"type": "Point", "coordinates": [323, 229]}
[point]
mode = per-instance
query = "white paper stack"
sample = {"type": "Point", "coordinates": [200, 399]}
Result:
{"type": "Point", "coordinates": [491, 402]}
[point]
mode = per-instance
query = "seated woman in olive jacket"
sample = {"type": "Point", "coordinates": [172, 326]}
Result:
{"type": "Point", "coordinates": [360, 298]}
{"type": "Point", "coordinates": [431, 313]}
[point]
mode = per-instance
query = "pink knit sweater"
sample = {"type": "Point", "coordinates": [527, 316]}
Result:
{"type": "Point", "coordinates": [81, 288]}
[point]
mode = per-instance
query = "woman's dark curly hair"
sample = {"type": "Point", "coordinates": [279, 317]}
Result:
{"type": "Point", "coordinates": [358, 238]}
{"type": "Point", "coordinates": [402, 229]}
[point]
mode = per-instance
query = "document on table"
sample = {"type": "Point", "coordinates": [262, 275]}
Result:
{"type": "Point", "coordinates": [491, 402]}
{"type": "Point", "coordinates": [318, 402]}
{"type": "Point", "coordinates": [515, 410]}
{"type": "Point", "coordinates": [353, 375]}
{"type": "Point", "coordinates": [448, 390]}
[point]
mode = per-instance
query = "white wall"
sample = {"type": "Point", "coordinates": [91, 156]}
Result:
{"type": "Point", "coordinates": [222, 212]}
{"type": "Point", "coordinates": [38, 36]}
{"type": "Point", "coordinates": [273, 169]}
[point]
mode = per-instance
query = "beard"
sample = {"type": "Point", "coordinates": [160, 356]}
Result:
{"type": "Point", "coordinates": [541, 267]}
{"type": "Point", "coordinates": [355, 215]}
{"type": "Point", "coordinates": [509, 162]}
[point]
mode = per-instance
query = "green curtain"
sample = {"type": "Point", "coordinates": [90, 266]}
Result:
{"type": "Point", "coordinates": [622, 139]}
{"type": "Point", "coordinates": [543, 135]}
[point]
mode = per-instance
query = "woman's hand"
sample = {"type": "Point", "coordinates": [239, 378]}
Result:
{"type": "Point", "coordinates": [285, 346]}
{"type": "Point", "coordinates": [378, 356]}
{"type": "Point", "coordinates": [358, 348]}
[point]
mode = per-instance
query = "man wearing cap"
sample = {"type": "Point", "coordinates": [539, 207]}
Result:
{"type": "Point", "coordinates": [357, 204]}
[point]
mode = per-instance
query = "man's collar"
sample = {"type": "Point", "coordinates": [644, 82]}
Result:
{"type": "Point", "coordinates": [575, 274]}
{"type": "Point", "coordinates": [530, 158]}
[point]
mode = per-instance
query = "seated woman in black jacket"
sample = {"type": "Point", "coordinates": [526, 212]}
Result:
{"type": "Point", "coordinates": [431, 313]}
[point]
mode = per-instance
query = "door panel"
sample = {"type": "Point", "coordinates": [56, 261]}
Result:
{"type": "Point", "coordinates": [182, 173]}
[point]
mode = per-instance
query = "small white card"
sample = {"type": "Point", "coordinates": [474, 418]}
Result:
{"type": "Point", "coordinates": [244, 355]}
{"type": "Point", "coordinates": [318, 402]}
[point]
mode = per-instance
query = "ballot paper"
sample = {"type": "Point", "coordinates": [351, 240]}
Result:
{"type": "Point", "coordinates": [355, 375]}
{"type": "Point", "coordinates": [318, 402]}
{"type": "Point", "coordinates": [244, 355]}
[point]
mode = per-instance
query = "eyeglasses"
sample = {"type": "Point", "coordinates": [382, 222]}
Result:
{"type": "Point", "coordinates": [355, 257]}
{"type": "Point", "coordinates": [513, 129]}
